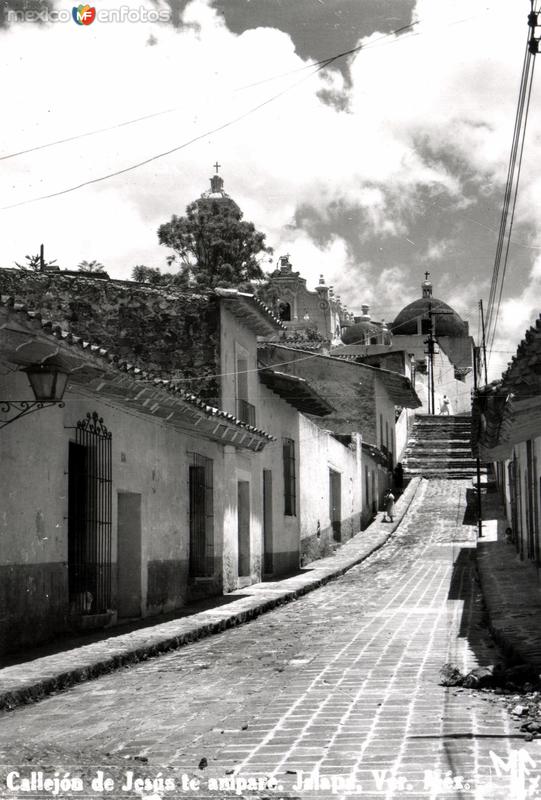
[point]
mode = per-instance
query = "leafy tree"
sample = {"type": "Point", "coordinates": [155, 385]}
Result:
{"type": "Point", "coordinates": [91, 266]}
{"type": "Point", "coordinates": [34, 263]}
{"type": "Point", "coordinates": [151, 275]}
{"type": "Point", "coordinates": [267, 291]}
{"type": "Point", "coordinates": [213, 246]}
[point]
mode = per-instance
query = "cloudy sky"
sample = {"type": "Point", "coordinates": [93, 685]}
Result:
{"type": "Point", "coordinates": [388, 163]}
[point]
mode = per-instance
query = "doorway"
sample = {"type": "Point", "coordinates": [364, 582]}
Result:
{"type": "Point", "coordinates": [243, 528]}
{"type": "Point", "coordinates": [129, 554]}
{"type": "Point", "coordinates": [335, 503]}
{"type": "Point", "coordinates": [268, 566]}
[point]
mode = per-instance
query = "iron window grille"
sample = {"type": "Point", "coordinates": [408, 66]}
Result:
{"type": "Point", "coordinates": [201, 511]}
{"type": "Point", "coordinates": [90, 517]}
{"type": "Point", "coordinates": [290, 478]}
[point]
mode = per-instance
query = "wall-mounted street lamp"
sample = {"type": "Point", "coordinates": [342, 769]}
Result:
{"type": "Point", "coordinates": [48, 382]}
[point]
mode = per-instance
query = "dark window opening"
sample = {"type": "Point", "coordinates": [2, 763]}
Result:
{"type": "Point", "coordinates": [268, 565]}
{"type": "Point", "coordinates": [335, 503]}
{"type": "Point", "coordinates": [284, 311]}
{"type": "Point", "coordinates": [242, 378]}
{"type": "Point", "coordinates": [201, 562]}
{"type": "Point", "coordinates": [243, 533]}
{"type": "Point", "coordinates": [245, 410]}
{"type": "Point", "coordinates": [290, 487]}
{"type": "Point", "coordinates": [90, 517]}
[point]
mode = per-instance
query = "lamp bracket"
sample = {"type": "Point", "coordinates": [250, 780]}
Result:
{"type": "Point", "coordinates": [23, 407]}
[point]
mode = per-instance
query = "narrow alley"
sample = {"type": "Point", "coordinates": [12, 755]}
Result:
{"type": "Point", "coordinates": [334, 695]}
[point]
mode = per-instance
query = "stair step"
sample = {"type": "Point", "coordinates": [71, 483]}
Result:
{"type": "Point", "coordinates": [440, 447]}
{"type": "Point", "coordinates": [436, 468]}
{"type": "Point", "coordinates": [453, 447]}
{"type": "Point", "coordinates": [458, 451]}
{"type": "Point", "coordinates": [440, 462]}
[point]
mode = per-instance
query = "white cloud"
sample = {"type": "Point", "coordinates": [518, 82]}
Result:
{"type": "Point", "coordinates": [517, 314]}
{"type": "Point", "coordinates": [425, 109]}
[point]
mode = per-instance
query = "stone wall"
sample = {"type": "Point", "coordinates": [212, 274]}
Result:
{"type": "Point", "coordinates": [164, 332]}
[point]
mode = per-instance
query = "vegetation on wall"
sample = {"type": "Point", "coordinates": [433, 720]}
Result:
{"type": "Point", "coordinates": [174, 335]}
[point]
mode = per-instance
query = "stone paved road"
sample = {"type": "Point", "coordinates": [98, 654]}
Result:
{"type": "Point", "coordinates": [338, 690]}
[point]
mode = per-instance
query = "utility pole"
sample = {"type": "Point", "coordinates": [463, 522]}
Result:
{"type": "Point", "coordinates": [476, 351]}
{"type": "Point", "coordinates": [431, 342]}
{"type": "Point", "coordinates": [484, 340]}
{"type": "Point", "coordinates": [431, 350]}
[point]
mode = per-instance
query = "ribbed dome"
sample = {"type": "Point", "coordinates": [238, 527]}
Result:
{"type": "Point", "coordinates": [360, 333]}
{"type": "Point", "coordinates": [449, 324]}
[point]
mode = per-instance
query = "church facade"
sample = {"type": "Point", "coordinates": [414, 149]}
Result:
{"type": "Point", "coordinates": [303, 311]}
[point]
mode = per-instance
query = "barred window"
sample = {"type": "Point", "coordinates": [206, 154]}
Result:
{"type": "Point", "coordinates": [290, 478]}
{"type": "Point", "coordinates": [90, 517]}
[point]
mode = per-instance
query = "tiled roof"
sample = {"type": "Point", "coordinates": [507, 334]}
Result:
{"type": "Point", "coordinates": [523, 375]}
{"type": "Point", "coordinates": [399, 386]}
{"type": "Point", "coordinates": [297, 391]}
{"type": "Point", "coordinates": [251, 310]}
{"type": "Point", "coordinates": [86, 348]}
{"type": "Point", "coordinates": [507, 411]}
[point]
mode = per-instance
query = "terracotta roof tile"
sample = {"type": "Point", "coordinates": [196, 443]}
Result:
{"type": "Point", "coordinates": [136, 372]}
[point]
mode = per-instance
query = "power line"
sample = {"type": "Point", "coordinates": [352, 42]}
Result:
{"type": "Point", "coordinates": [316, 67]}
{"type": "Point", "coordinates": [157, 156]}
{"type": "Point", "coordinates": [512, 182]}
{"type": "Point", "coordinates": [88, 133]}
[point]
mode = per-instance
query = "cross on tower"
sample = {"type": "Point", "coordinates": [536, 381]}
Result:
{"type": "Point", "coordinates": [217, 167]}
{"type": "Point", "coordinates": [427, 275]}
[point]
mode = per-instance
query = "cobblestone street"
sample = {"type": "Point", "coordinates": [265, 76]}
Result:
{"type": "Point", "coordinates": [338, 691]}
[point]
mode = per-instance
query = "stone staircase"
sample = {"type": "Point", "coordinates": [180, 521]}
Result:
{"type": "Point", "coordinates": [439, 447]}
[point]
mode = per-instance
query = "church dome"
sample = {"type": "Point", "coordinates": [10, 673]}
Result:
{"type": "Point", "coordinates": [360, 333]}
{"type": "Point", "coordinates": [447, 321]}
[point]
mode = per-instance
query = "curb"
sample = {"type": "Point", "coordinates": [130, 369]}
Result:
{"type": "Point", "coordinates": [512, 624]}
{"type": "Point", "coordinates": [190, 629]}
{"type": "Point", "coordinates": [509, 649]}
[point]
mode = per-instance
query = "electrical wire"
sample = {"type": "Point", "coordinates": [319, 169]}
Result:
{"type": "Point", "coordinates": [316, 67]}
{"type": "Point", "coordinates": [157, 156]}
{"type": "Point", "coordinates": [510, 194]}
{"type": "Point", "coordinates": [508, 188]}
{"type": "Point", "coordinates": [513, 209]}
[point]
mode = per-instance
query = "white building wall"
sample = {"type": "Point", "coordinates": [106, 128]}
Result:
{"type": "Point", "coordinates": [149, 458]}
{"type": "Point", "coordinates": [320, 452]}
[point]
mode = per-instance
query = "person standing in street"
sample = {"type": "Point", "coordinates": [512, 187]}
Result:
{"type": "Point", "coordinates": [389, 506]}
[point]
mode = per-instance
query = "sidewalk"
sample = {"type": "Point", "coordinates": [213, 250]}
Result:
{"type": "Point", "coordinates": [31, 680]}
{"type": "Point", "coordinates": [511, 588]}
